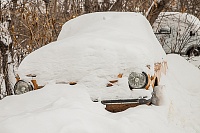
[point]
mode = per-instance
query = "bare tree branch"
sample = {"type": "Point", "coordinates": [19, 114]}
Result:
{"type": "Point", "coordinates": [155, 10]}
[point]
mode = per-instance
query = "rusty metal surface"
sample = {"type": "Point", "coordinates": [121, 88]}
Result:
{"type": "Point", "coordinates": [120, 107]}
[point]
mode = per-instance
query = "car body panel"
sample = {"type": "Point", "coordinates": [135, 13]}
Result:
{"type": "Point", "coordinates": [177, 32]}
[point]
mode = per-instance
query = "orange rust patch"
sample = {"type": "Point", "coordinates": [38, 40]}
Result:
{"type": "Point", "coordinates": [120, 75]}
{"type": "Point", "coordinates": [72, 83]}
{"type": "Point", "coordinates": [17, 77]}
{"type": "Point", "coordinates": [149, 82]}
{"type": "Point", "coordinates": [109, 85]}
{"type": "Point", "coordinates": [35, 84]}
{"type": "Point", "coordinates": [113, 81]}
{"type": "Point", "coordinates": [119, 107]}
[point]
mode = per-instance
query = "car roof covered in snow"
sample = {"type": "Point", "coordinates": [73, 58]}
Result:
{"type": "Point", "coordinates": [101, 45]}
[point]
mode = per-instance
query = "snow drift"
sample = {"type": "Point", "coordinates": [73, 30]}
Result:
{"type": "Point", "coordinates": [66, 109]}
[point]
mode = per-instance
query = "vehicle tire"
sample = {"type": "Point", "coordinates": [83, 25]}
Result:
{"type": "Point", "coordinates": [193, 52]}
{"type": "Point", "coordinates": [157, 96]}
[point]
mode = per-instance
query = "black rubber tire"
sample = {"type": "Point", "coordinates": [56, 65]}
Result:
{"type": "Point", "coordinates": [193, 52]}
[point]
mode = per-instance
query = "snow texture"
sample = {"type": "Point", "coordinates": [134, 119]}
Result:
{"type": "Point", "coordinates": [93, 49]}
{"type": "Point", "coordinates": [61, 108]}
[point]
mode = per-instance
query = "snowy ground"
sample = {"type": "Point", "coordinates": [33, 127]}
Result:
{"type": "Point", "coordinates": [61, 108]}
{"type": "Point", "coordinates": [195, 60]}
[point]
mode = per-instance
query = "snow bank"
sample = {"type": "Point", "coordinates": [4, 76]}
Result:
{"type": "Point", "coordinates": [182, 93]}
{"type": "Point", "coordinates": [55, 109]}
{"type": "Point", "coordinates": [184, 72]}
{"type": "Point", "coordinates": [59, 108]}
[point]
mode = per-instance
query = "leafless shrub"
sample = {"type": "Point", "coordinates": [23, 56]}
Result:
{"type": "Point", "coordinates": [183, 35]}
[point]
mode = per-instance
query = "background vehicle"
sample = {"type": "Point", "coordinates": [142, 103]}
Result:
{"type": "Point", "coordinates": [178, 33]}
{"type": "Point", "coordinates": [115, 55]}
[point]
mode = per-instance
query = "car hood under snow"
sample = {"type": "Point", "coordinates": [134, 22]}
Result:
{"type": "Point", "coordinates": [97, 45]}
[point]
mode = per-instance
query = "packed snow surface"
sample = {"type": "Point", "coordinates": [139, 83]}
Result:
{"type": "Point", "coordinates": [61, 108]}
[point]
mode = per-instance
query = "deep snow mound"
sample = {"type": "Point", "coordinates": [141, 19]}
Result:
{"type": "Point", "coordinates": [64, 109]}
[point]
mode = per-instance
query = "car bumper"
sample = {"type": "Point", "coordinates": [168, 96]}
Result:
{"type": "Point", "coordinates": [123, 104]}
{"type": "Point", "coordinates": [126, 101]}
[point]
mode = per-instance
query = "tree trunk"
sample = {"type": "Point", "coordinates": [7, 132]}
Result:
{"type": "Point", "coordinates": [4, 54]}
{"type": "Point", "coordinates": [46, 5]}
{"type": "Point", "coordinates": [87, 6]}
{"type": "Point", "coordinates": [156, 9]}
{"type": "Point", "coordinates": [14, 4]}
{"type": "Point", "coordinates": [66, 6]}
{"type": "Point", "coordinates": [0, 12]}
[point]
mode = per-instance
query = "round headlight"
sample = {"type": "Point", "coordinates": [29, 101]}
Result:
{"type": "Point", "coordinates": [22, 87]}
{"type": "Point", "coordinates": [137, 80]}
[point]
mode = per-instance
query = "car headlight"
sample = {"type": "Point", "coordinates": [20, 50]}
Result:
{"type": "Point", "coordinates": [22, 87]}
{"type": "Point", "coordinates": [137, 80]}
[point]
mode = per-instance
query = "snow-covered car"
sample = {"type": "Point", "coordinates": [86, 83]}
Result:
{"type": "Point", "coordinates": [115, 55]}
{"type": "Point", "coordinates": [178, 33]}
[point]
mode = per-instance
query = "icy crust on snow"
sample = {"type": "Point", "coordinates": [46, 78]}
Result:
{"type": "Point", "coordinates": [98, 45]}
{"type": "Point", "coordinates": [68, 109]}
